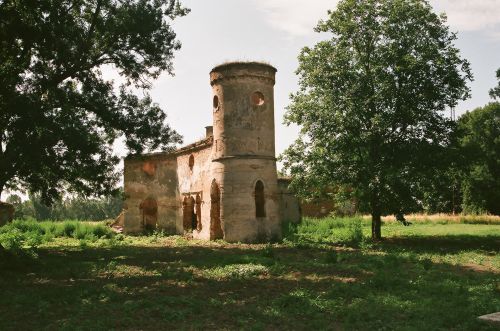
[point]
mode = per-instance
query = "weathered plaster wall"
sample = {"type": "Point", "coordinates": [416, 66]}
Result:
{"type": "Point", "coordinates": [243, 121]}
{"type": "Point", "coordinates": [238, 201]}
{"type": "Point", "coordinates": [168, 178]}
{"type": "Point", "coordinates": [196, 180]}
{"type": "Point", "coordinates": [317, 208]}
{"type": "Point", "coordinates": [153, 177]}
{"type": "Point", "coordinates": [244, 149]}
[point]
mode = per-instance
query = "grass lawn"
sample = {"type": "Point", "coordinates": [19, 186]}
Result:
{"type": "Point", "coordinates": [429, 276]}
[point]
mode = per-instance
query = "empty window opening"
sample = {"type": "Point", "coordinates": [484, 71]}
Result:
{"type": "Point", "coordinates": [191, 162]}
{"type": "Point", "coordinates": [193, 213]}
{"type": "Point", "coordinates": [198, 212]}
{"type": "Point", "coordinates": [258, 99]}
{"type": "Point", "coordinates": [149, 211]}
{"type": "Point", "coordinates": [216, 103]}
{"type": "Point", "coordinates": [216, 231]}
{"type": "Point", "coordinates": [260, 208]}
{"type": "Point", "coordinates": [188, 214]}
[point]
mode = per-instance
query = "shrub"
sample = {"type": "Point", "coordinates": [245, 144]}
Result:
{"type": "Point", "coordinates": [68, 229]}
{"type": "Point", "coordinates": [20, 244]}
{"type": "Point", "coordinates": [347, 230]}
{"type": "Point", "coordinates": [13, 240]}
{"type": "Point", "coordinates": [355, 232]}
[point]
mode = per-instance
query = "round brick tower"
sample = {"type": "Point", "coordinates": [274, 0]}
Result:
{"type": "Point", "coordinates": [243, 150]}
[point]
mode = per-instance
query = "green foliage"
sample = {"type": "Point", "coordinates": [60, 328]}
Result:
{"type": "Point", "coordinates": [236, 271]}
{"type": "Point", "coordinates": [442, 190]}
{"type": "Point", "coordinates": [371, 103]}
{"type": "Point", "coordinates": [479, 132]}
{"type": "Point", "coordinates": [59, 116]}
{"type": "Point", "coordinates": [495, 92]}
{"type": "Point", "coordinates": [30, 234]}
{"type": "Point", "coordinates": [346, 231]}
{"type": "Point", "coordinates": [77, 208]}
{"type": "Point", "coordinates": [12, 240]}
{"type": "Point", "coordinates": [21, 243]}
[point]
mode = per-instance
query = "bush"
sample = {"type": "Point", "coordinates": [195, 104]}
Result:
{"type": "Point", "coordinates": [34, 233]}
{"type": "Point", "coordinates": [12, 241]}
{"type": "Point", "coordinates": [67, 230]}
{"type": "Point", "coordinates": [347, 231]}
{"type": "Point", "coordinates": [355, 232]}
{"type": "Point", "coordinates": [19, 243]}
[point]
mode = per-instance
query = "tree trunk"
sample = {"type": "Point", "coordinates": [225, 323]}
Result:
{"type": "Point", "coordinates": [2, 185]}
{"type": "Point", "coordinates": [376, 216]}
{"type": "Point", "coordinates": [376, 226]}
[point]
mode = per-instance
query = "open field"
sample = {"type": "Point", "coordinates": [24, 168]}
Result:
{"type": "Point", "coordinates": [324, 275]}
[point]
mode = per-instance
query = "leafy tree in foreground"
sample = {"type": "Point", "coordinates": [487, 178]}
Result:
{"type": "Point", "coordinates": [480, 144]}
{"type": "Point", "coordinates": [372, 100]}
{"type": "Point", "coordinates": [58, 116]}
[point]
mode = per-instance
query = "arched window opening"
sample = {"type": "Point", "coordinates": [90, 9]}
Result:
{"type": "Point", "coordinates": [215, 221]}
{"type": "Point", "coordinates": [149, 211]}
{"type": "Point", "coordinates": [198, 212]}
{"type": "Point", "coordinates": [191, 162]}
{"type": "Point", "coordinates": [188, 213]}
{"type": "Point", "coordinates": [216, 103]}
{"type": "Point", "coordinates": [260, 208]}
{"type": "Point", "coordinates": [193, 213]}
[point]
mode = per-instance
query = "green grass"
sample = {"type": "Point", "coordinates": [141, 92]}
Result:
{"type": "Point", "coordinates": [326, 275]}
{"type": "Point", "coordinates": [47, 230]}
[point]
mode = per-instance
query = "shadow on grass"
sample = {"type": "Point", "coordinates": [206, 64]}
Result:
{"type": "Point", "coordinates": [192, 287]}
{"type": "Point", "coordinates": [445, 244]}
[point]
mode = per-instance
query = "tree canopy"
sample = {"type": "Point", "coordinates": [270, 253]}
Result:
{"type": "Point", "coordinates": [495, 92]}
{"type": "Point", "coordinates": [372, 103]}
{"type": "Point", "coordinates": [479, 132]}
{"type": "Point", "coordinates": [59, 116]}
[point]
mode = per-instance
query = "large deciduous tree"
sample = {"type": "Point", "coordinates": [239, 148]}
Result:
{"type": "Point", "coordinates": [58, 116]}
{"type": "Point", "coordinates": [372, 102]}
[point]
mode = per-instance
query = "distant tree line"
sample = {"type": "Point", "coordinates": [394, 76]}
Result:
{"type": "Point", "coordinates": [75, 208]}
{"type": "Point", "coordinates": [471, 183]}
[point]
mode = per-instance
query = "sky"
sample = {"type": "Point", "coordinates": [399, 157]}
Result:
{"type": "Point", "coordinates": [216, 31]}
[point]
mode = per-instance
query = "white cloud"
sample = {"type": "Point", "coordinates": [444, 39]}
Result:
{"type": "Point", "coordinates": [299, 17]}
{"type": "Point", "coordinates": [471, 15]}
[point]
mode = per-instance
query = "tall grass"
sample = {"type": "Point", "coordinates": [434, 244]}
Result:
{"type": "Point", "coordinates": [31, 233]}
{"type": "Point", "coordinates": [445, 219]}
{"type": "Point", "coordinates": [345, 230]}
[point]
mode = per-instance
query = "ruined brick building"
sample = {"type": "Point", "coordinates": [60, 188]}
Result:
{"type": "Point", "coordinates": [225, 185]}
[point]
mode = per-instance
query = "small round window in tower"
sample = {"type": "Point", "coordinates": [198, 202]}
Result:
{"type": "Point", "coordinates": [191, 162]}
{"type": "Point", "coordinates": [216, 103]}
{"type": "Point", "coordinates": [258, 99]}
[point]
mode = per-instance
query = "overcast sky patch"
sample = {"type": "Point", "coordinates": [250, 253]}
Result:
{"type": "Point", "coordinates": [298, 17]}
